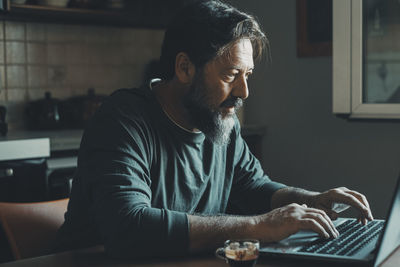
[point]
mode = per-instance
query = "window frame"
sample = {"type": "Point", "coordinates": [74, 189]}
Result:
{"type": "Point", "coordinates": [347, 77]}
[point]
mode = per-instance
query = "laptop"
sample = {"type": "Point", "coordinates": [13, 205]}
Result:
{"type": "Point", "coordinates": [370, 244]}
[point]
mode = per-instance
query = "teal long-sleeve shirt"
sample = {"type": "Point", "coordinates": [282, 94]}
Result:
{"type": "Point", "coordinates": [139, 175]}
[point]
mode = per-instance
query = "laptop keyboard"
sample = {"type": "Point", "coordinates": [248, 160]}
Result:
{"type": "Point", "coordinates": [353, 237]}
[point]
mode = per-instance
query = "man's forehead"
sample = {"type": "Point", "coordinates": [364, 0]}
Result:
{"type": "Point", "coordinates": [238, 56]}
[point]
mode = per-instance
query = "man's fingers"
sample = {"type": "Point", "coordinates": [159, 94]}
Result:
{"type": "Point", "coordinates": [359, 196]}
{"type": "Point", "coordinates": [307, 224]}
{"type": "Point", "coordinates": [362, 220]}
{"type": "Point", "coordinates": [326, 217]}
{"type": "Point", "coordinates": [362, 199]}
{"type": "Point", "coordinates": [322, 219]}
{"type": "Point", "coordinates": [351, 200]}
{"type": "Point", "coordinates": [332, 214]}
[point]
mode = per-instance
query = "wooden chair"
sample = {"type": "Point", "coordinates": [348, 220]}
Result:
{"type": "Point", "coordinates": [30, 228]}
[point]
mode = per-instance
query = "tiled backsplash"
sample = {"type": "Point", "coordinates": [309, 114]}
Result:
{"type": "Point", "coordinates": [66, 60]}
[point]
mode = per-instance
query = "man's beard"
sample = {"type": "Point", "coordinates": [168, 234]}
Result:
{"type": "Point", "coordinates": [216, 126]}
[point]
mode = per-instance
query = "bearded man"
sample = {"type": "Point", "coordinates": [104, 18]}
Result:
{"type": "Point", "coordinates": [163, 169]}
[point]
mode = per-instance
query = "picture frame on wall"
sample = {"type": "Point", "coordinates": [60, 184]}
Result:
{"type": "Point", "coordinates": [314, 28]}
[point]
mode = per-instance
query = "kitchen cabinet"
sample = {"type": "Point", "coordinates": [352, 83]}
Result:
{"type": "Point", "coordinates": [138, 13]}
{"type": "Point", "coordinates": [22, 168]}
{"type": "Point", "coordinates": [37, 165]}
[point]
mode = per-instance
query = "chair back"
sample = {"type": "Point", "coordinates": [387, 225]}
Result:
{"type": "Point", "coordinates": [31, 228]}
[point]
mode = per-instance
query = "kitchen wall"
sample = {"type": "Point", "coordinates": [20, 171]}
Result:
{"type": "Point", "coordinates": [66, 60]}
{"type": "Point", "coordinates": [306, 145]}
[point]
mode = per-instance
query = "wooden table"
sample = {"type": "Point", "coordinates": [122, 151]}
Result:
{"type": "Point", "coordinates": [96, 257]}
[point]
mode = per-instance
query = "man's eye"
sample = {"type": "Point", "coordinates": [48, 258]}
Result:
{"type": "Point", "coordinates": [230, 77]}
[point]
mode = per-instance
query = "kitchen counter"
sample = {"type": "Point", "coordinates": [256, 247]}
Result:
{"type": "Point", "coordinates": [13, 148]}
{"type": "Point", "coordinates": [59, 140]}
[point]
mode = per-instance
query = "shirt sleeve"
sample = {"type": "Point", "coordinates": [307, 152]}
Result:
{"type": "Point", "coordinates": [252, 189]}
{"type": "Point", "coordinates": [115, 164]}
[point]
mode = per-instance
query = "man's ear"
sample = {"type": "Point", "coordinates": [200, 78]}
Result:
{"type": "Point", "coordinates": [184, 68]}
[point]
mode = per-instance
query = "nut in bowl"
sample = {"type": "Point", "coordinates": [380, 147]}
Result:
{"type": "Point", "coordinates": [242, 252]}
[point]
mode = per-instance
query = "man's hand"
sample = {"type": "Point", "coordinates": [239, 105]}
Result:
{"type": "Point", "coordinates": [314, 212]}
{"type": "Point", "coordinates": [285, 221]}
{"type": "Point", "coordinates": [326, 200]}
{"type": "Point", "coordinates": [206, 231]}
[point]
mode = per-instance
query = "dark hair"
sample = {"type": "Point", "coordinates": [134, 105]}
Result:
{"type": "Point", "coordinates": [205, 30]}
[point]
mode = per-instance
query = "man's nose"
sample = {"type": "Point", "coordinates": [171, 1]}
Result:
{"type": "Point", "coordinates": [240, 88]}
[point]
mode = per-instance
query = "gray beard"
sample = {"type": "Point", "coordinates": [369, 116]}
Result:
{"type": "Point", "coordinates": [211, 122]}
{"type": "Point", "coordinates": [221, 133]}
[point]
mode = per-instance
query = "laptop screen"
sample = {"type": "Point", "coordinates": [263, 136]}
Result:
{"type": "Point", "coordinates": [390, 238]}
